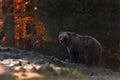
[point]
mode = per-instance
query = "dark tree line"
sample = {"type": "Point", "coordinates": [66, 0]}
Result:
{"type": "Point", "coordinates": [92, 17]}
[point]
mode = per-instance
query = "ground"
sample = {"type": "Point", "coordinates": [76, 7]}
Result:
{"type": "Point", "coordinates": [16, 64]}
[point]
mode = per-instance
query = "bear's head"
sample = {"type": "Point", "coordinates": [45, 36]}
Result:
{"type": "Point", "coordinates": [65, 38]}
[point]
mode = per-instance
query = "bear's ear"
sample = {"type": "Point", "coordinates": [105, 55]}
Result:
{"type": "Point", "coordinates": [69, 33]}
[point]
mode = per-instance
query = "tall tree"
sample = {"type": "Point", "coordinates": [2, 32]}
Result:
{"type": "Point", "coordinates": [2, 33]}
{"type": "Point", "coordinates": [8, 25]}
{"type": "Point", "coordinates": [119, 19]}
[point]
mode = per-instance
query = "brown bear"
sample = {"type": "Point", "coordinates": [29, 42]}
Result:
{"type": "Point", "coordinates": [81, 48]}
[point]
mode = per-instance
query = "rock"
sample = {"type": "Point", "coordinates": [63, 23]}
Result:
{"type": "Point", "coordinates": [38, 67]}
{"type": "Point", "coordinates": [48, 68]}
{"type": "Point", "coordinates": [39, 61]}
{"type": "Point", "coordinates": [45, 68]}
{"type": "Point", "coordinates": [5, 48]}
{"type": "Point", "coordinates": [30, 68]}
{"type": "Point", "coordinates": [19, 69]}
{"type": "Point", "coordinates": [23, 62]}
{"type": "Point", "coordinates": [7, 61]}
{"type": "Point", "coordinates": [11, 62]}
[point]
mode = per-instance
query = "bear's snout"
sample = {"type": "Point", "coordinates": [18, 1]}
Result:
{"type": "Point", "coordinates": [61, 38]}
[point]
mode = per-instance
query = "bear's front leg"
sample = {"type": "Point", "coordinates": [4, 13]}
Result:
{"type": "Point", "coordinates": [69, 52]}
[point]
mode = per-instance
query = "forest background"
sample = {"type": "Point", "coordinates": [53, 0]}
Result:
{"type": "Point", "coordinates": [35, 25]}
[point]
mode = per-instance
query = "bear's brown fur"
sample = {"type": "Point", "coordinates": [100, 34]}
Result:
{"type": "Point", "coordinates": [81, 48]}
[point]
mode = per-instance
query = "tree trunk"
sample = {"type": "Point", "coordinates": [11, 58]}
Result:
{"type": "Point", "coordinates": [8, 19]}
{"type": "Point", "coordinates": [2, 33]}
{"type": "Point", "coordinates": [119, 20]}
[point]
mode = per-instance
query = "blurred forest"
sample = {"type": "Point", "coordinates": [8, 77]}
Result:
{"type": "Point", "coordinates": [35, 25]}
